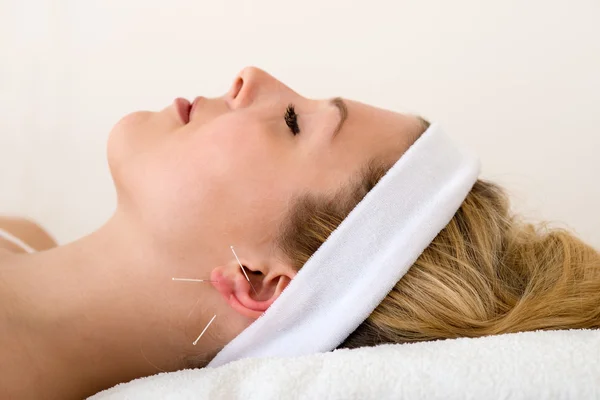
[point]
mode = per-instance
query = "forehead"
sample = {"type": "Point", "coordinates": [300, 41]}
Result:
{"type": "Point", "coordinates": [369, 133]}
{"type": "Point", "coordinates": [373, 132]}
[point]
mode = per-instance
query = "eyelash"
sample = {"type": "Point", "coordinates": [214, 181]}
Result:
{"type": "Point", "coordinates": [291, 119]}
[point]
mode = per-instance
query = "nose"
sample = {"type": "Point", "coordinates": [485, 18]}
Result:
{"type": "Point", "coordinates": [250, 85]}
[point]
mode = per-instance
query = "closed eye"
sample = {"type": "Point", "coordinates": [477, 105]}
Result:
{"type": "Point", "coordinates": [291, 119]}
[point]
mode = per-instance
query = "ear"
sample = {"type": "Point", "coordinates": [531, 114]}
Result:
{"type": "Point", "coordinates": [252, 298]}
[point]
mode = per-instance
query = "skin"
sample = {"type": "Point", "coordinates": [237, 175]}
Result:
{"type": "Point", "coordinates": [82, 317]}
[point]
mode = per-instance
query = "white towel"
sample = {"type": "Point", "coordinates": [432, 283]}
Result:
{"type": "Point", "coordinates": [530, 365]}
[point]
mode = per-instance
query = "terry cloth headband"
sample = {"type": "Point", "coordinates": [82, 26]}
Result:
{"type": "Point", "coordinates": [363, 259]}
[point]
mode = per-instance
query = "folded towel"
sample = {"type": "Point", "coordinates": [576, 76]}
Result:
{"type": "Point", "coordinates": [529, 365]}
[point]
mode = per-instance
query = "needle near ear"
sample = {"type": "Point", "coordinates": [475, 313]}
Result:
{"type": "Point", "coordinates": [208, 280]}
{"type": "Point", "coordinates": [243, 270]}
{"type": "Point", "coordinates": [197, 280]}
{"type": "Point", "coordinates": [196, 341]}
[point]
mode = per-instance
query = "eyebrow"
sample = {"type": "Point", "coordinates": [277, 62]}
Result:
{"type": "Point", "coordinates": [339, 103]}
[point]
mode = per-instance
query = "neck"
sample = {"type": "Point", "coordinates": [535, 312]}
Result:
{"type": "Point", "coordinates": [88, 315]}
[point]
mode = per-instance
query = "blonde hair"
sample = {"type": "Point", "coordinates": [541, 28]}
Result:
{"type": "Point", "coordinates": [485, 273]}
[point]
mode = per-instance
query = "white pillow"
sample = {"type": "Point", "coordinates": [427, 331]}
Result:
{"type": "Point", "coordinates": [530, 365]}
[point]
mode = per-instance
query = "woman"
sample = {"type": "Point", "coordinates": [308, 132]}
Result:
{"type": "Point", "coordinates": [236, 170]}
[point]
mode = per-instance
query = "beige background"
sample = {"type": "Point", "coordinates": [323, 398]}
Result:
{"type": "Point", "coordinates": [517, 80]}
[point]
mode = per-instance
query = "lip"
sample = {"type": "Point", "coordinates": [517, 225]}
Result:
{"type": "Point", "coordinates": [183, 108]}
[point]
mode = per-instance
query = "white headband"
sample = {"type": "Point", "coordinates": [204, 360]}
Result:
{"type": "Point", "coordinates": [363, 259]}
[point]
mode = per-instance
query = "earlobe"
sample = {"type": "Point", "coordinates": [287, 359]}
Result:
{"type": "Point", "coordinates": [250, 299]}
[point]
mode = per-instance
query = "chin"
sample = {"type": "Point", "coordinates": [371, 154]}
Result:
{"type": "Point", "coordinates": [121, 141]}
{"type": "Point", "coordinates": [130, 123]}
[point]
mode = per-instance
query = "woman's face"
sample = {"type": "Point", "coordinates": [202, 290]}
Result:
{"type": "Point", "coordinates": [227, 176]}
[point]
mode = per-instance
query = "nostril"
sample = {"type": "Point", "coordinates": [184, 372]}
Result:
{"type": "Point", "coordinates": [237, 87]}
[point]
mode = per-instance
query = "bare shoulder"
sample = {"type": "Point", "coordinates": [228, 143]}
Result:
{"type": "Point", "coordinates": [27, 231]}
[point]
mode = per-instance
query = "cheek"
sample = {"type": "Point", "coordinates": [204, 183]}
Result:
{"type": "Point", "coordinates": [189, 202]}
{"type": "Point", "coordinates": [223, 179]}
{"type": "Point", "coordinates": [207, 183]}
